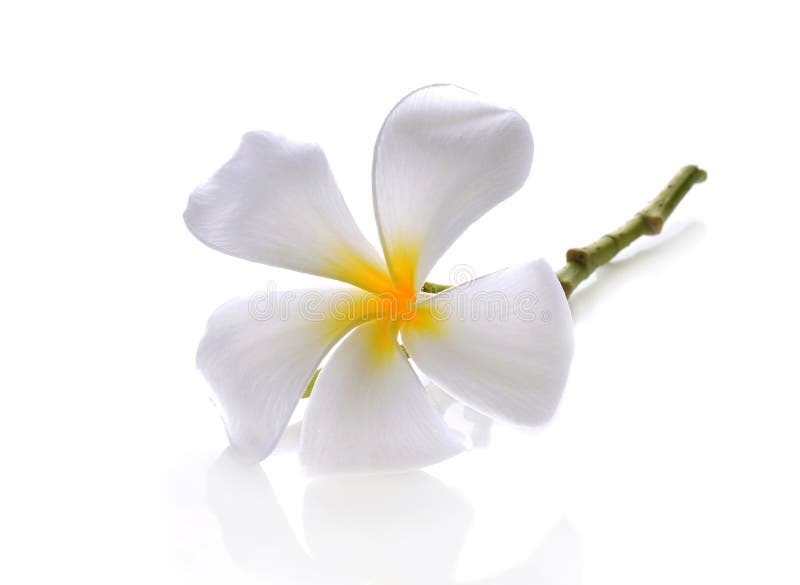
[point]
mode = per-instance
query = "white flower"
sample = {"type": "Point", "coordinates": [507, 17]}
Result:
{"type": "Point", "coordinates": [443, 158]}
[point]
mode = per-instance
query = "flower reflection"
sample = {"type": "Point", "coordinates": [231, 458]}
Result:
{"type": "Point", "coordinates": [407, 528]}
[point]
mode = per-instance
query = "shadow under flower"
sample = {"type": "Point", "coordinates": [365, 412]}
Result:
{"type": "Point", "coordinates": [653, 252]}
{"type": "Point", "coordinates": [405, 528]}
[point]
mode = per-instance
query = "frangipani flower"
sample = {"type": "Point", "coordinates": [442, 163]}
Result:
{"type": "Point", "coordinates": [443, 158]}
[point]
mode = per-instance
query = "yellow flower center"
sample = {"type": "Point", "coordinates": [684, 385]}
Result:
{"type": "Point", "coordinates": [394, 302]}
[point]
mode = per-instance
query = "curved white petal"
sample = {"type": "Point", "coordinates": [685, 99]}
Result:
{"type": "Point", "coordinates": [501, 343]}
{"type": "Point", "coordinates": [443, 158]}
{"type": "Point", "coordinates": [369, 411]}
{"type": "Point", "coordinates": [276, 202]}
{"type": "Point", "coordinates": [259, 354]}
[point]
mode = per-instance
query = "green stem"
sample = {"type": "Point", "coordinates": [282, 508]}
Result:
{"type": "Point", "coordinates": [433, 288]}
{"type": "Point", "coordinates": [581, 262]}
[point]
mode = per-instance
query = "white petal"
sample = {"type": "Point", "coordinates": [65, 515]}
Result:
{"type": "Point", "coordinates": [276, 202]}
{"type": "Point", "coordinates": [471, 424]}
{"type": "Point", "coordinates": [369, 411]}
{"type": "Point", "coordinates": [501, 343]}
{"type": "Point", "coordinates": [259, 354]}
{"type": "Point", "coordinates": [443, 158]}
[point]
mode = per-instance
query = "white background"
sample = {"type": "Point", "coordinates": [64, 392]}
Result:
{"type": "Point", "coordinates": [674, 455]}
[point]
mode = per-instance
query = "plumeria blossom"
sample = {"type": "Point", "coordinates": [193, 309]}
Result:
{"type": "Point", "coordinates": [443, 158]}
